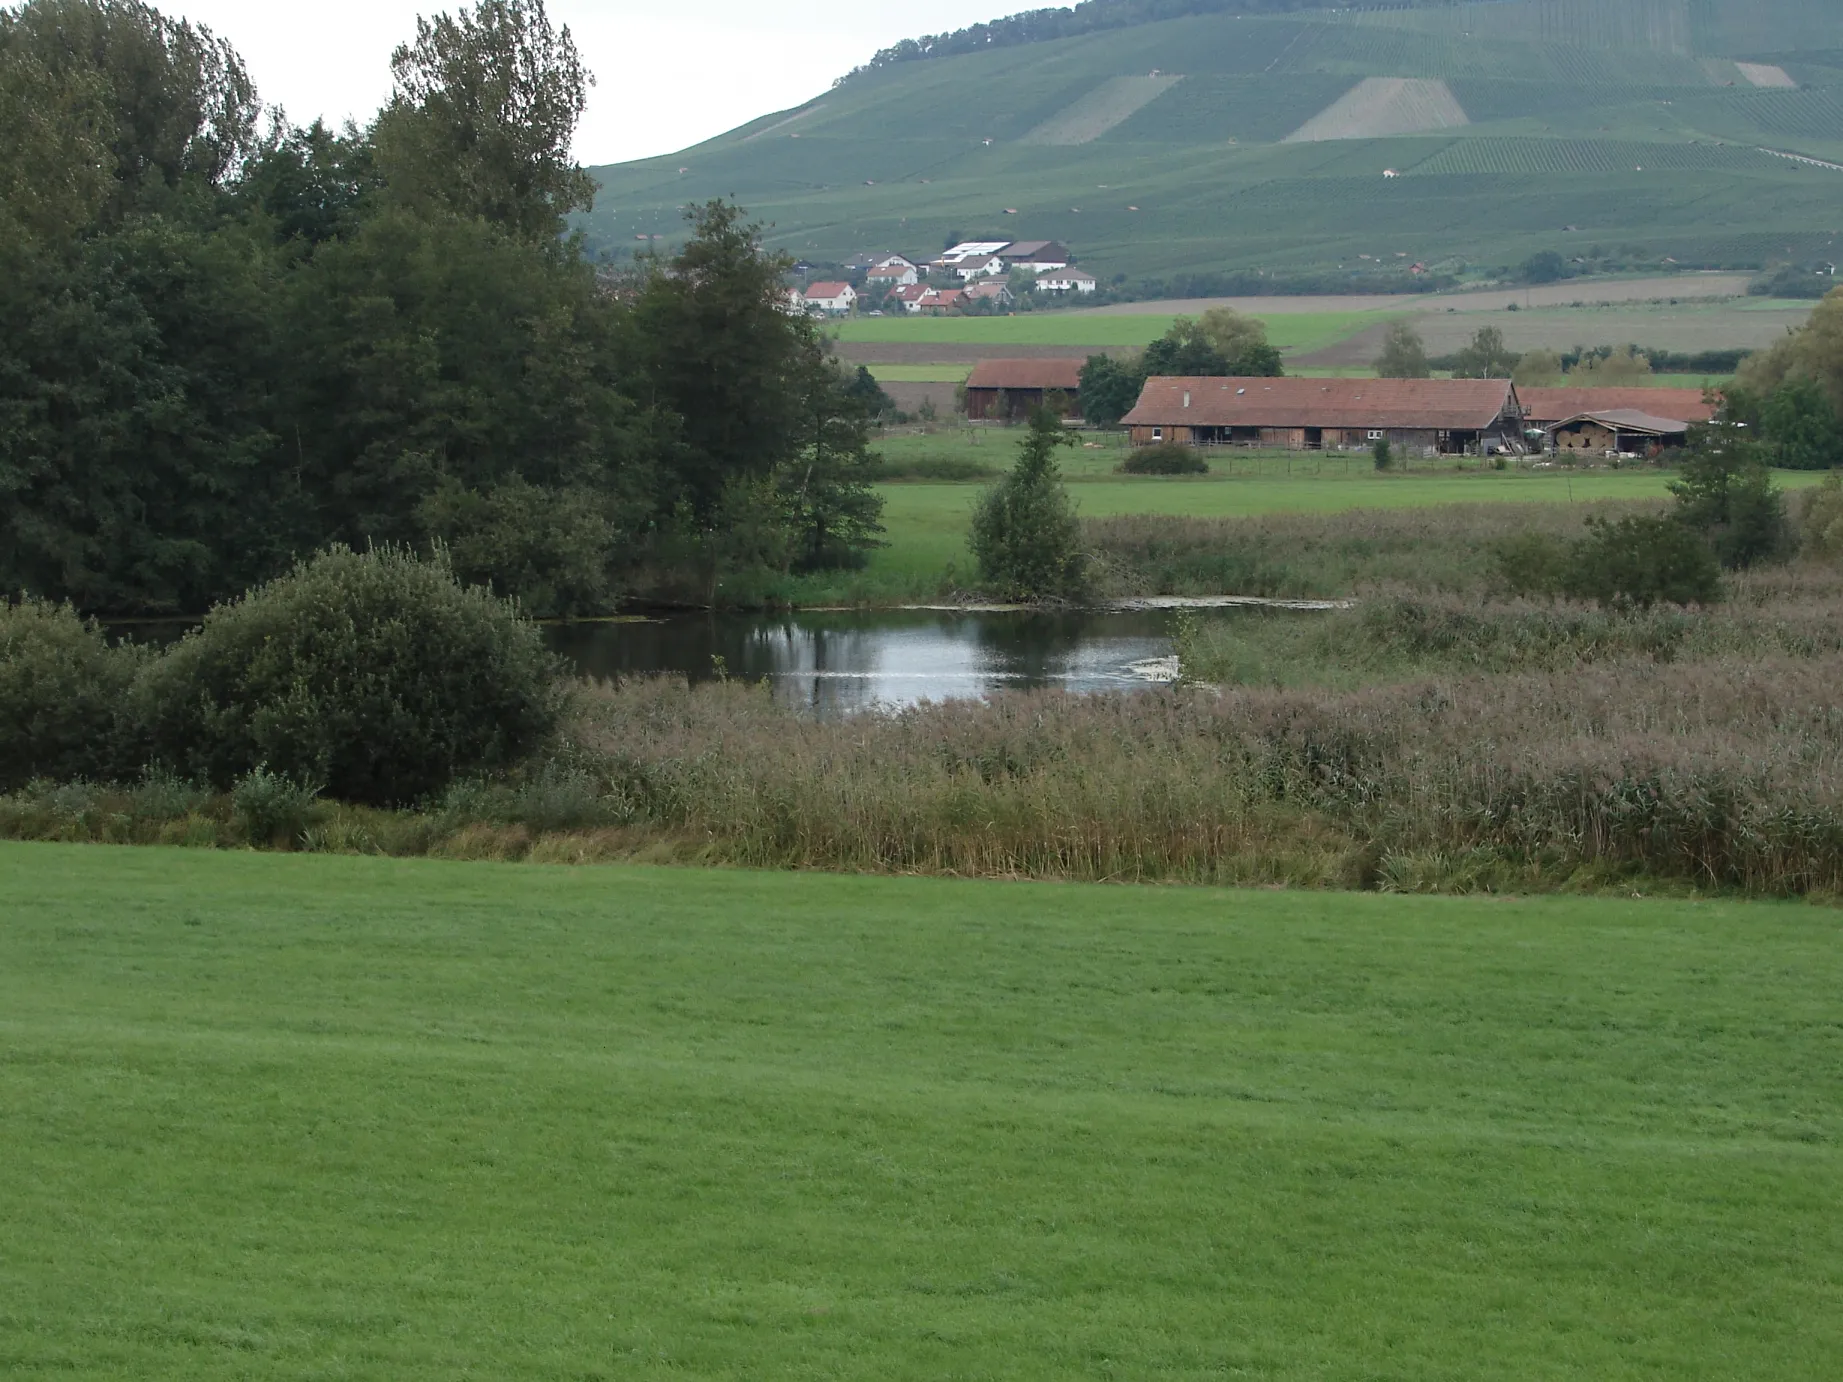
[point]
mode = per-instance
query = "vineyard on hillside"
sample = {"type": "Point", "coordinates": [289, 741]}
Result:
{"type": "Point", "coordinates": [1541, 157]}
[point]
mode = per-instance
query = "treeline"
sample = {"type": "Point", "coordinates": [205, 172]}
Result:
{"type": "Point", "coordinates": [1221, 343]}
{"type": "Point", "coordinates": [231, 341]}
{"type": "Point", "coordinates": [1090, 16]}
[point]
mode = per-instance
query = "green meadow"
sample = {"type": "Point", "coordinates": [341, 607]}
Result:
{"type": "Point", "coordinates": [306, 1117]}
{"type": "Point", "coordinates": [1297, 331]}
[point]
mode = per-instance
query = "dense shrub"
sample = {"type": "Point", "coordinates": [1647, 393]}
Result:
{"type": "Point", "coordinates": [375, 677]}
{"type": "Point", "coordinates": [1642, 562]}
{"type": "Point", "coordinates": [1025, 535]}
{"type": "Point", "coordinates": [1167, 458]}
{"type": "Point", "coordinates": [1820, 520]}
{"type": "Point", "coordinates": [62, 689]}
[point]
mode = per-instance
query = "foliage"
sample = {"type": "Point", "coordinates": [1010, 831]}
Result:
{"type": "Point", "coordinates": [1109, 389]}
{"type": "Point", "coordinates": [1820, 519]}
{"type": "Point", "coordinates": [1404, 354]}
{"type": "Point", "coordinates": [1813, 352]}
{"type": "Point", "coordinates": [1486, 357]}
{"type": "Point", "coordinates": [1538, 369]}
{"type": "Point", "coordinates": [1545, 266]}
{"type": "Point", "coordinates": [62, 691]}
{"type": "Point", "coordinates": [1222, 342]}
{"type": "Point", "coordinates": [1640, 562]}
{"type": "Point", "coordinates": [1381, 453]}
{"type": "Point", "coordinates": [1611, 369]}
{"type": "Point", "coordinates": [1801, 426]}
{"type": "Point", "coordinates": [1167, 458]}
{"type": "Point", "coordinates": [1025, 535]}
{"type": "Point", "coordinates": [1725, 493]}
{"type": "Point", "coordinates": [485, 106]}
{"type": "Point", "coordinates": [271, 808]}
{"type": "Point", "coordinates": [1791, 281]}
{"type": "Point", "coordinates": [373, 675]}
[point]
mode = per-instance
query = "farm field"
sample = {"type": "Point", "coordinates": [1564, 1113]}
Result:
{"type": "Point", "coordinates": [305, 1116]}
{"type": "Point", "coordinates": [1289, 331]}
{"type": "Point", "coordinates": [927, 522]}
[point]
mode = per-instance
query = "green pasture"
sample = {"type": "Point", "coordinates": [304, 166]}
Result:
{"type": "Point", "coordinates": [927, 521]}
{"type": "Point", "coordinates": [920, 374]}
{"type": "Point", "coordinates": [1296, 331]}
{"type": "Point", "coordinates": [313, 1117]}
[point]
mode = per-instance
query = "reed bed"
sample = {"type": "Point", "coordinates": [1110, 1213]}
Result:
{"type": "Point", "coordinates": [1449, 548]}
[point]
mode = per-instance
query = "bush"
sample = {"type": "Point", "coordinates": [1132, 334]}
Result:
{"type": "Point", "coordinates": [1384, 457]}
{"type": "Point", "coordinates": [1641, 562]}
{"type": "Point", "coordinates": [272, 809]}
{"type": "Point", "coordinates": [62, 693]}
{"type": "Point", "coordinates": [1820, 519]}
{"type": "Point", "coordinates": [375, 675]}
{"type": "Point", "coordinates": [1025, 535]}
{"type": "Point", "coordinates": [1167, 458]}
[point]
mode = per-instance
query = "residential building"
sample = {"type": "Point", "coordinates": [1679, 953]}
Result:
{"type": "Point", "coordinates": [993, 290]}
{"type": "Point", "coordinates": [1431, 416]}
{"type": "Point", "coordinates": [881, 279]}
{"type": "Point", "coordinates": [970, 249]}
{"type": "Point", "coordinates": [980, 266]}
{"type": "Point", "coordinates": [833, 299]}
{"type": "Point", "coordinates": [1006, 389]}
{"type": "Point", "coordinates": [1036, 256]}
{"type": "Point", "coordinates": [910, 296]}
{"type": "Point", "coordinates": [1067, 281]}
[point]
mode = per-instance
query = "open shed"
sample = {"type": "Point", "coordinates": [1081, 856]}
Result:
{"type": "Point", "coordinates": [1619, 431]}
{"type": "Point", "coordinates": [999, 390]}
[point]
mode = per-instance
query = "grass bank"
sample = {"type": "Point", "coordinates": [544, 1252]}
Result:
{"type": "Point", "coordinates": [292, 1117]}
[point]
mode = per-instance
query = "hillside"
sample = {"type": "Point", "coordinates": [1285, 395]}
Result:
{"type": "Point", "coordinates": [1651, 129]}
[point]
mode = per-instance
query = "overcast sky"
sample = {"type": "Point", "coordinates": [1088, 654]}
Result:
{"type": "Point", "coordinates": [669, 73]}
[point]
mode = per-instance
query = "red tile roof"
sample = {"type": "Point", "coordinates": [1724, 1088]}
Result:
{"type": "Point", "coordinates": [1421, 404]}
{"type": "Point", "coordinates": [1551, 405]}
{"type": "Point", "coordinates": [1062, 374]}
{"type": "Point", "coordinates": [827, 290]}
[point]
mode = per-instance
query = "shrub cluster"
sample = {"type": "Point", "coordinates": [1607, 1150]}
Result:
{"type": "Point", "coordinates": [374, 677]}
{"type": "Point", "coordinates": [1167, 458]}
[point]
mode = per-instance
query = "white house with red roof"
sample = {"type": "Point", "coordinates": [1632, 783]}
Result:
{"type": "Point", "coordinates": [833, 299]}
{"type": "Point", "coordinates": [1067, 281]}
{"type": "Point", "coordinates": [886, 276]}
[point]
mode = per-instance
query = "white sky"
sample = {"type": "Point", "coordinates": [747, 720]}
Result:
{"type": "Point", "coordinates": [668, 74]}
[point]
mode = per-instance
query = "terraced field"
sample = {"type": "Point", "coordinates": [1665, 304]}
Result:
{"type": "Point", "coordinates": [1154, 176]}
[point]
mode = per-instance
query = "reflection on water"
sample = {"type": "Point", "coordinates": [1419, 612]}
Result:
{"type": "Point", "coordinates": [837, 663]}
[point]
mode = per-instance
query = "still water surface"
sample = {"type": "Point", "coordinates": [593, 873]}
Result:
{"type": "Point", "coordinates": [836, 663]}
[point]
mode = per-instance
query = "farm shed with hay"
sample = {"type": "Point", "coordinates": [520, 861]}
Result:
{"type": "Point", "coordinates": [999, 390]}
{"type": "Point", "coordinates": [1618, 431]}
{"type": "Point", "coordinates": [1432, 416]}
{"type": "Point", "coordinates": [1546, 407]}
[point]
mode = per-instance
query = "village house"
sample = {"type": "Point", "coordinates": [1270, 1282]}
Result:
{"type": "Point", "coordinates": [1429, 416]}
{"type": "Point", "coordinates": [993, 290]}
{"type": "Point", "coordinates": [896, 261]}
{"type": "Point", "coordinates": [1546, 407]}
{"type": "Point", "coordinates": [980, 266]}
{"type": "Point", "coordinates": [1067, 281]}
{"type": "Point", "coordinates": [1000, 390]}
{"type": "Point", "coordinates": [969, 249]}
{"type": "Point", "coordinates": [940, 301]}
{"type": "Point", "coordinates": [909, 297]}
{"type": "Point", "coordinates": [833, 299]}
{"type": "Point", "coordinates": [881, 279]}
{"type": "Point", "coordinates": [1036, 256]}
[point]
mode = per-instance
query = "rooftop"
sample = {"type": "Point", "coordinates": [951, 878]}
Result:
{"type": "Point", "coordinates": [1419, 404]}
{"type": "Point", "coordinates": [1064, 374]}
{"type": "Point", "coordinates": [1550, 405]}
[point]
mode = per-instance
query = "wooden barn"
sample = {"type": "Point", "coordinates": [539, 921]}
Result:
{"type": "Point", "coordinates": [1618, 432]}
{"type": "Point", "coordinates": [1546, 407]}
{"type": "Point", "coordinates": [1001, 390]}
{"type": "Point", "coordinates": [1433, 416]}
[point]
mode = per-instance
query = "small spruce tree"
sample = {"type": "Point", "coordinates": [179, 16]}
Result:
{"type": "Point", "coordinates": [1025, 535]}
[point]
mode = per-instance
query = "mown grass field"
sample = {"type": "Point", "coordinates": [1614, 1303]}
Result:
{"type": "Point", "coordinates": [927, 522]}
{"type": "Point", "coordinates": [290, 1117]}
{"type": "Point", "coordinates": [1301, 331]}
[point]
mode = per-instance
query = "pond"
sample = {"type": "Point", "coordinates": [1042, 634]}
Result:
{"type": "Point", "coordinates": [836, 663]}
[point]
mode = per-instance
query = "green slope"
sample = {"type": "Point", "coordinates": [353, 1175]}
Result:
{"type": "Point", "coordinates": [1568, 100]}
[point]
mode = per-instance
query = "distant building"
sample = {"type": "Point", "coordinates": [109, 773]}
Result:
{"type": "Point", "coordinates": [1618, 431]}
{"type": "Point", "coordinates": [980, 266]}
{"type": "Point", "coordinates": [1067, 281]}
{"type": "Point", "coordinates": [881, 279]}
{"type": "Point", "coordinates": [833, 299]}
{"type": "Point", "coordinates": [910, 296]}
{"type": "Point", "coordinates": [994, 290]}
{"type": "Point", "coordinates": [970, 249]}
{"type": "Point", "coordinates": [1005, 389]}
{"type": "Point", "coordinates": [1546, 407]}
{"type": "Point", "coordinates": [941, 301]}
{"type": "Point", "coordinates": [1036, 256]}
{"type": "Point", "coordinates": [1433, 416]}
